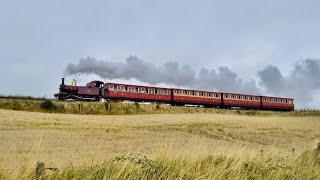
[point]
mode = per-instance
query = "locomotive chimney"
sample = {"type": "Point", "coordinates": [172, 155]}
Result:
{"type": "Point", "coordinates": [62, 81]}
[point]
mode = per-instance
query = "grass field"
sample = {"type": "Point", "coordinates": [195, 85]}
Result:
{"type": "Point", "coordinates": [195, 145]}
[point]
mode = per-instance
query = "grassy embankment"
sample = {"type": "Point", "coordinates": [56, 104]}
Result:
{"type": "Point", "coordinates": [118, 108]}
{"type": "Point", "coordinates": [158, 146]}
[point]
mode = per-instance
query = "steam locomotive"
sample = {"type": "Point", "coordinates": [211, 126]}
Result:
{"type": "Point", "coordinates": [97, 90]}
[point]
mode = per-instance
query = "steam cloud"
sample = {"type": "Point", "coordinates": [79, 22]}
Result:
{"type": "Point", "coordinates": [300, 84]}
{"type": "Point", "coordinates": [170, 73]}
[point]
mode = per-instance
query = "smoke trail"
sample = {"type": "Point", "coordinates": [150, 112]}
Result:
{"type": "Point", "coordinates": [302, 83]}
{"type": "Point", "coordinates": [172, 73]}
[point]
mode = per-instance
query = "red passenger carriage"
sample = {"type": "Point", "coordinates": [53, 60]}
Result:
{"type": "Point", "coordinates": [114, 91]}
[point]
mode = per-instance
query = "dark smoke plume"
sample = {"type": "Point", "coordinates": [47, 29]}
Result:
{"type": "Point", "coordinates": [171, 73]}
{"type": "Point", "coordinates": [302, 83]}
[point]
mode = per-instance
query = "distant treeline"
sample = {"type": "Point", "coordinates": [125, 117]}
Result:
{"type": "Point", "coordinates": [22, 97]}
{"type": "Point", "coordinates": [27, 103]}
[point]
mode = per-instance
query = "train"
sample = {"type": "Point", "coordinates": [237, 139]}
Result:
{"type": "Point", "coordinates": [98, 90]}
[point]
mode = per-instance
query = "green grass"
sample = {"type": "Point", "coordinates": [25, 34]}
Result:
{"type": "Point", "coordinates": [119, 108]}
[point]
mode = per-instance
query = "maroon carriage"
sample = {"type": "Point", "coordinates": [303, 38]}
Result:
{"type": "Point", "coordinates": [114, 91]}
{"type": "Point", "coordinates": [195, 97]}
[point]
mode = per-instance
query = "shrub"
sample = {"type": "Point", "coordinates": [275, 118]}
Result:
{"type": "Point", "coordinates": [16, 105]}
{"type": "Point", "coordinates": [136, 104]}
{"type": "Point", "coordinates": [47, 105]}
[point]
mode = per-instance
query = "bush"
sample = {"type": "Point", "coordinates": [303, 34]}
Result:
{"type": "Point", "coordinates": [16, 105]}
{"type": "Point", "coordinates": [47, 105]}
{"type": "Point", "coordinates": [136, 104]}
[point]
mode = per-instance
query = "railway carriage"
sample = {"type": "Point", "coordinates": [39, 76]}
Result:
{"type": "Point", "coordinates": [276, 103]}
{"type": "Point", "coordinates": [241, 100]}
{"type": "Point", "coordinates": [114, 91]}
{"type": "Point", "coordinates": [205, 98]}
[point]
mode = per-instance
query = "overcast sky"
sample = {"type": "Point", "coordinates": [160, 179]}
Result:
{"type": "Point", "coordinates": [39, 38]}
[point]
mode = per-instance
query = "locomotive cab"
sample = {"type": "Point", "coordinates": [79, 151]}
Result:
{"type": "Point", "coordinates": [95, 84]}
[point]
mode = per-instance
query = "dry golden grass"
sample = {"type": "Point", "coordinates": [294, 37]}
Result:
{"type": "Point", "coordinates": [88, 140]}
